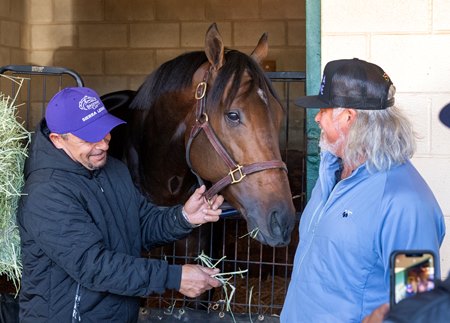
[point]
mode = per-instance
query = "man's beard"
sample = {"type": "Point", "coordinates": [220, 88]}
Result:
{"type": "Point", "coordinates": [98, 165]}
{"type": "Point", "coordinates": [334, 148]}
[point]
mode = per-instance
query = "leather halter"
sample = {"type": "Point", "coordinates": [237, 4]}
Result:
{"type": "Point", "coordinates": [237, 172]}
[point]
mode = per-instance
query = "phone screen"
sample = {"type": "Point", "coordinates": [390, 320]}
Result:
{"type": "Point", "coordinates": [414, 272]}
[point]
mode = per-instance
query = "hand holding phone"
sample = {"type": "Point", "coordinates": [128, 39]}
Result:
{"type": "Point", "coordinates": [411, 272]}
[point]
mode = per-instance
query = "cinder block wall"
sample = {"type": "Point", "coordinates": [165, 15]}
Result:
{"type": "Point", "coordinates": [114, 44]}
{"type": "Point", "coordinates": [12, 32]}
{"type": "Point", "coordinates": [410, 39]}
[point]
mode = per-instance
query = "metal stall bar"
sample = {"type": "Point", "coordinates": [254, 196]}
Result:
{"type": "Point", "coordinates": [54, 78]}
{"type": "Point", "coordinates": [287, 78]}
{"type": "Point", "coordinates": [293, 150]}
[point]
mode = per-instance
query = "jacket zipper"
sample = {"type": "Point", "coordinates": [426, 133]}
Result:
{"type": "Point", "coordinates": [76, 316]}
{"type": "Point", "coordinates": [316, 211]}
{"type": "Point", "coordinates": [99, 184]}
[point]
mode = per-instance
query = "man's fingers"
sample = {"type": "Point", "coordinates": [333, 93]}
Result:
{"type": "Point", "coordinates": [209, 211]}
{"type": "Point", "coordinates": [213, 282]}
{"type": "Point", "coordinates": [209, 271]}
{"type": "Point", "coordinates": [218, 200]}
{"type": "Point", "coordinates": [211, 218]}
{"type": "Point", "coordinates": [211, 215]}
{"type": "Point", "coordinates": [201, 190]}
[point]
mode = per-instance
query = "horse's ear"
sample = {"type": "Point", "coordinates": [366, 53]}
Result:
{"type": "Point", "coordinates": [214, 48]}
{"type": "Point", "coordinates": [261, 50]}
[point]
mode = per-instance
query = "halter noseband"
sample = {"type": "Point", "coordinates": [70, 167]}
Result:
{"type": "Point", "coordinates": [237, 172]}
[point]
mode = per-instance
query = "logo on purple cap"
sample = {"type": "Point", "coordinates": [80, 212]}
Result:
{"type": "Point", "coordinates": [90, 103]}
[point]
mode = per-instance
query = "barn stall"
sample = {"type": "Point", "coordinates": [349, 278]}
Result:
{"type": "Point", "coordinates": [259, 292]}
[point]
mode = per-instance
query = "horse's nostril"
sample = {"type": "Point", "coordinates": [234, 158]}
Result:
{"type": "Point", "coordinates": [275, 224]}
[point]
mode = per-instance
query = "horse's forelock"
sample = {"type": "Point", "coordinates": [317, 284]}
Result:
{"type": "Point", "coordinates": [173, 75]}
{"type": "Point", "coordinates": [236, 64]}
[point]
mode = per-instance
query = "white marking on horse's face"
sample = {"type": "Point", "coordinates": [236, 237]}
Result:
{"type": "Point", "coordinates": [262, 95]}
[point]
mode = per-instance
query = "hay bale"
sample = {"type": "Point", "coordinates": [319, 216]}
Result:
{"type": "Point", "coordinates": [14, 140]}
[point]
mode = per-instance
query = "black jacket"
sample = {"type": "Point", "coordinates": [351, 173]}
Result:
{"type": "Point", "coordinates": [428, 307]}
{"type": "Point", "coordinates": [85, 230]}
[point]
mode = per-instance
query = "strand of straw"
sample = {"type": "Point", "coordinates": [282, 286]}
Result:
{"type": "Point", "coordinates": [252, 233]}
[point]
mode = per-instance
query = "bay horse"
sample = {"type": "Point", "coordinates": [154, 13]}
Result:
{"type": "Point", "coordinates": [210, 116]}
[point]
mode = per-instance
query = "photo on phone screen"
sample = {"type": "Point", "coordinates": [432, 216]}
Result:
{"type": "Point", "coordinates": [412, 272]}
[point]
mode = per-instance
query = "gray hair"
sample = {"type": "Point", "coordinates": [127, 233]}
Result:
{"type": "Point", "coordinates": [381, 138]}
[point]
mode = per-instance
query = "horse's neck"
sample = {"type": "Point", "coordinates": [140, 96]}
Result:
{"type": "Point", "coordinates": [166, 178]}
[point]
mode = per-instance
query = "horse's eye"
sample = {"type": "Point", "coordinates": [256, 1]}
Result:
{"type": "Point", "coordinates": [233, 116]}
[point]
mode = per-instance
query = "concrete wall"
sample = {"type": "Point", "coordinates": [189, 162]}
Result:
{"type": "Point", "coordinates": [410, 39]}
{"type": "Point", "coordinates": [114, 44]}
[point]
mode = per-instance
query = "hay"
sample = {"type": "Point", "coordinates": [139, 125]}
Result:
{"type": "Point", "coordinates": [14, 140]}
{"type": "Point", "coordinates": [224, 278]}
{"type": "Point", "coordinates": [257, 296]}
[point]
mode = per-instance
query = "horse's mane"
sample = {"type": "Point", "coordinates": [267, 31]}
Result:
{"type": "Point", "coordinates": [176, 75]}
{"type": "Point", "coordinates": [173, 75]}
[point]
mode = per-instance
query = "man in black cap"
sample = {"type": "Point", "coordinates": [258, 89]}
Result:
{"type": "Point", "coordinates": [83, 223]}
{"type": "Point", "coordinates": [368, 201]}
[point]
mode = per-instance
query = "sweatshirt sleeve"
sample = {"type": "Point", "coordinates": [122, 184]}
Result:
{"type": "Point", "coordinates": [410, 224]}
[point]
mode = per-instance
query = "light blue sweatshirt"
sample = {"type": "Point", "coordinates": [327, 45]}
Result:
{"type": "Point", "coordinates": [347, 233]}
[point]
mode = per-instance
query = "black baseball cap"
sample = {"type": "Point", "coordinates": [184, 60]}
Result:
{"type": "Point", "coordinates": [444, 115]}
{"type": "Point", "coordinates": [351, 83]}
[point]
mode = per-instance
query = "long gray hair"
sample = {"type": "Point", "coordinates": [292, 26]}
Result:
{"type": "Point", "coordinates": [382, 138]}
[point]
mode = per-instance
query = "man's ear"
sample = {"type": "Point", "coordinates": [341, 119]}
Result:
{"type": "Point", "coordinates": [351, 115]}
{"type": "Point", "coordinates": [56, 139]}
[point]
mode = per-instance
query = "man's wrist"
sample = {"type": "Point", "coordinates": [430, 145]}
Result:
{"type": "Point", "coordinates": [185, 216]}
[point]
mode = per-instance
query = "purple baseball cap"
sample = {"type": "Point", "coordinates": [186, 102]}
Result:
{"type": "Point", "coordinates": [444, 115]}
{"type": "Point", "coordinates": [81, 112]}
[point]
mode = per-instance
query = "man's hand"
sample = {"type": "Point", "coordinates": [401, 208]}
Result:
{"type": "Point", "coordinates": [199, 211]}
{"type": "Point", "coordinates": [378, 315]}
{"type": "Point", "coordinates": [195, 280]}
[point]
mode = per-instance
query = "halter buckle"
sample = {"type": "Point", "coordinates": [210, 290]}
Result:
{"type": "Point", "coordinates": [202, 119]}
{"type": "Point", "coordinates": [232, 174]}
{"type": "Point", "coordinates": [200, 91]}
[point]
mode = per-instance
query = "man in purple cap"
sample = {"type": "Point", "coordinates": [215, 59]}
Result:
{"type": "Point", "coordinates": [83, 223]}
{"type": "Point", "coordinates": [368, 201]}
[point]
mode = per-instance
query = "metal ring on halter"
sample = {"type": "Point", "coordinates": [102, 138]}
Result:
{"type": "Point", "coordinates": [200, 91]}
{"type": "Point", "coordinates": [203, 118]}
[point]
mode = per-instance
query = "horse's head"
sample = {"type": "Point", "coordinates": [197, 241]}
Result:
{"type": "Point", "coordinates": [235, 138]}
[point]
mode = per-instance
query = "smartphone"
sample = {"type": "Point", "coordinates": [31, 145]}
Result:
{"type": "Point", "coordinates": [411, 272]}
